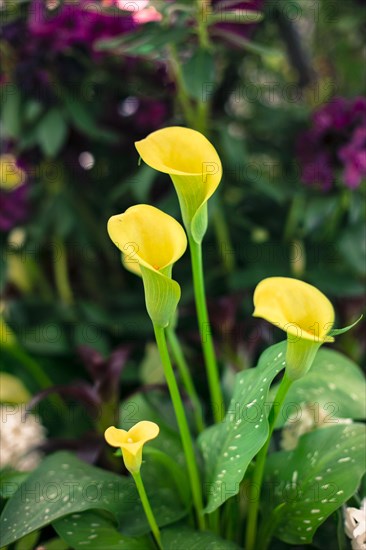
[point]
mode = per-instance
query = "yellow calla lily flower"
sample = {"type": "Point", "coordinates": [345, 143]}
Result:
{"type": "Point", "coordinates": [11, 176]}
{"type": "Point", "coordinates": [194, 167]}
{"type": "Point", "coordinates": [151, 242]}
{"type": "Point", "coordinates": [302, 311]}
{"type": "Point", "coordinates": [131, 442]}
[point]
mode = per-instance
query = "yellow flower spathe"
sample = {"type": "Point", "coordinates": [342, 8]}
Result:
{"type": "Point", "coordinates": [302, 311]}
{"type": "Point", "coordinates": [131, 442]}
{"type": "Point", "coordinates": [11, 176]}
{"type": "Point", "coordinates": [151, 242]}
{"type": "Point", "coordinates": [194, 167]}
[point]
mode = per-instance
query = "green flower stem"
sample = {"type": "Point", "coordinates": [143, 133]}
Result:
{"type": "Point", "coordinates": [186, 377]}
{"type": "Point", "coordinates": [182, 96]}
{"type": "Point", "coordinates": [193, 473]}
{"type": "Point", "coordinates": [61, 272]}
{"type": "Point", "coordinates": [147, 508]}
{"type": "Point", "coordinates": [257, 478]}
{"type": "Point", "coordinates": [202, 9]}
{"type": "Point", "coordinates": [217, 401]}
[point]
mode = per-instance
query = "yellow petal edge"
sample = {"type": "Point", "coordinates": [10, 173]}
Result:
{"type": "Point", "coordinates": [296, 307]}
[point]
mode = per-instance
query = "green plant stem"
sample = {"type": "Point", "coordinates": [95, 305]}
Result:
{"type": "Point", "coordinates": [61, 272]}
{"type": "Point", "coordinates": [182, 425]}
{"type": "Point", "coordinates": [186, 377]}
{"type": "Point", "coordinates": [202, 8]}
{"type": "Point", "coordinates": [257, 478]}
{"type": "Point", "coordinates": [217, 401]}
{"type": "Point", "coordinates": [147, 508]}
{"type": "Point", "coordinates": [182, 96]}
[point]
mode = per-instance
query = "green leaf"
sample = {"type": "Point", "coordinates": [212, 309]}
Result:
{"type": "Point", "coordinates": [83, 120]}
{"type": "Point", "coordinates": [198, 73]}
{"type": "Point", "coordinates": [184, 537]}
{"type": "Point", "coordinates": [10, 481]}
{"type": "Point", "coordinates": [315, 479]}
{"type": "Point", "coordinates": [52, 132]}
{"type": "Point", "coordinates": [11, 112]}
{"type": "Point", "coordinates": [96, 531]}
{"type": "Point", "coordinates": [65, 485]}
{"type": "Point", "coordinates": [337, 331]}
{"type": "Point", "coordinates": [229, 447]}
{"type": "Point", "coordinates": [28, 542]}
{"type": "Point", "coordinates": [334, 385]}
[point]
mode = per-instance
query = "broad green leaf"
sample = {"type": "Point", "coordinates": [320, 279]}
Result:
{"type": "Point", "coordinates": [199, 75]}
{"type": "Point", "coordinates": [10, 480]}
{"type": "Point", "coordinates": [334, 386]}
{"type": "Point", "coordinates": [52, 132]}
{"type": "Point", "coordinates": [179, 537]}
{"type": "Point", "coordinates": [315, 479]}
{"type": "Point", "coordinates": [229, 447]}
{"type": "Point", "coordinates": [92, 530]}
{"type": "Point", "coordinates": [63, 485]}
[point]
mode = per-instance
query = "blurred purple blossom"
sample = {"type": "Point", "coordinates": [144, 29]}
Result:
{"type": "Point", "coordinates": [335, 142]}
{"type": "Point", "coordinates": [13, 207]}
{"type": "Point", "coordinates": [77, 24]}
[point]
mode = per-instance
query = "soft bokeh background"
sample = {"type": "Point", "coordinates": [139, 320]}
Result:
{"type": "Point", "coordinates": [282, 101]}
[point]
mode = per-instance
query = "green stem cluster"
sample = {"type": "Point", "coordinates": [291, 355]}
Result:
{"type": "Point", "coordinates": [182, 425]}
{"type": "Point", "coordinates": [256, 483]}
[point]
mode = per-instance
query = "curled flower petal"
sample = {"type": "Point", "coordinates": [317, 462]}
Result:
{"type": "Point", "coordinates": [296, 307]}
{"type": "Point", "coordinates": [302, 311]}
{"type": "Point", "coordinates": [131, 442]}
{"type": "Point", "coordinates": [147, 236]}
{"type": "Point", "coordinates": [194, 167]}
{"type": "Point", "coordinates": [151, 241]}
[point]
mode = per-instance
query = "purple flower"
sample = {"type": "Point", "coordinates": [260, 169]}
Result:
{"type": "Point", "coordinates": [335, 144]}
{"type": "Point", "coordinates": [353, 157]}
{"type": "Point", "coordinates": [77, 24]}
{"type": "Point", "coordinates": [13, 207]}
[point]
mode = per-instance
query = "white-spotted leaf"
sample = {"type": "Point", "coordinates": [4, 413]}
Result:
{"type": "Point", "coordinates": [182, 537]}
{"type": "Point", "coordinates": [313, 480]}
{"type": "Point", "coordinates": [63, 485]}
{"type": "Point", "coordinates": [334, 387]}
{"type": "Point", "coordinates": [229, 447]}
{"type": "Point", "coordinates": [93, 531]}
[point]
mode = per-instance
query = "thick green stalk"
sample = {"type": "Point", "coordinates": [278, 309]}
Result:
{"type": "Point", "coordinates": [147, 508]}
{"type": "Point", "coordinates": [217, 401]}
{"type": "Point", "coordinates": [256, 484]}
{"type": "Point", "coordinates": [186, 377]}
{"type": "Point", "coordinates": [180, 414]}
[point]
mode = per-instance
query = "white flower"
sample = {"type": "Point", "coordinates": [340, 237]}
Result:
{"type": "Point", "coordinates": [20, 435]}
{"type": "Point", "coordinates": [306, 420]}
{"type": "Point", "coordinates": [355, 526]}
